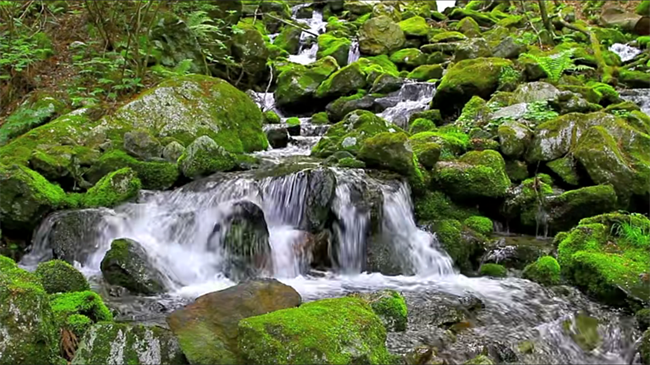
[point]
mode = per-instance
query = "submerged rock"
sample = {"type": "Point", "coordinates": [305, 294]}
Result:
{"type": "Point", "coordinates": [328, 331]}
{"type": "Point", "coordinates": [207, 328]}
{"type": "Point", "coordinates": [126, 264]}
{"type": "Point", "coordinates": [113, 343]}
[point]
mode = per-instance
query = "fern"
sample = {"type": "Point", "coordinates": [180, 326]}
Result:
{"type": "Point", "coordinates": [555, 65]}
{"type": "Point", "coordinates": [202, 25]}
{"type": "Point", "coordinates": [183, 68]}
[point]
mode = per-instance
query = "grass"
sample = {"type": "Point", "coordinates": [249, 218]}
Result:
{"type": "Point", "coordinates": [634, 235]}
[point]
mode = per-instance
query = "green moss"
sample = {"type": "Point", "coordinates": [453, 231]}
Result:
{"type": "Point", "coordinates": [388, 151]}
{"type": "Point", "coordinates": [29, 115]}
{"type": "Point", "coordinates": [351, 162]}
{"type": "Point", "coordinates": [474, 113]}
{"type": "Point", "coordinates": [475, 174]}
{"type": "Point", "coordinates": [643, 8]}
{"type": "Point", "coordinates": [448, 37]}
{"type": "Point", "coordinates": [377, 65]}
{"type": "Point", "coordinates": [479, 360]}
{"type": "Point", "coordinates": [297, 83]}
{"type": "Point", "coordinates": [343, 82]}
{"type": "Point", "coordinates": [566, 169]}
{"type": "Point", "coordinates": [449, 233]}
{"type": "Point", "coordinates": [435, 206]}
{"type": "Point", "coordinates": [408, 57]}
{"type": "Point", "coordinates": [421, 125]}
{"type": "Point", "coordinates": [468, 27]}
{"type": "Point", "coordinates": [60, 277]}
{"type": "Point", "coordinates": [113, 189]}
{"type": "Point", "coordinates": [338, 48]}
{"type": "Point", "coordinates": [426, 72]}
{"type": "Point", "coordinates": [329, 331]}
{"type": "Point", "coordinates": [391, 308]}
{"type": "Point", "coordinates": [516, 170]}
{"type": "Point", "coordinates": [453, 143]}
{"type": "Point", "coordinates": [634, 79]}
{"type": "Point", "coordinates": [643, 319]}
{"type": "Point", "coordinates": [482, 225]}
{"type": "Point", "coordinates": [415, 26]}
{"type": "Point", "coordinates": [78, 324]}
{"type": "Point", "coordinates": [545, 271]}
{"type": "Point", "coordinates": [494, 270]}
{"type": "Point", "coordinates": [320, 118]}
{"type": "Point", "coordinates": [153, 175]}
{"type": "Point", "coordinates": [567, 209]}
{"type": "Point", "coordinates": [293, 121]}
{"type": "Point", "coordinates": [271, 117]}
{"type": "Point", "coordinates": [87, 303]}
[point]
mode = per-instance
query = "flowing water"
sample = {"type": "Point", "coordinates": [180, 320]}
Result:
{"type": "Point", "coordinates": [624, 51]}
{"type": "Point", "coordinates": [639, 96]}
{"type": "Point", "coordinates": [308, 50]}
{"type": "Point", "coordinates": [413, 97]}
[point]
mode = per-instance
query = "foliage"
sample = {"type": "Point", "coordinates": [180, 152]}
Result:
{"type": "Point", "coordinates": [555, 65]}
{"type": "Point", "coordinates": [633, 234]}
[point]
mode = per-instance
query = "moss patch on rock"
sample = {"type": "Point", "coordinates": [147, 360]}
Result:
{"type": "Point", "coordinates": [545, 271]}
{"type": "Point", "coordinates": [58, 276]}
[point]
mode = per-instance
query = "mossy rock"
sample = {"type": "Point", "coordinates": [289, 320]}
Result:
{"type": "Point", "coordinates": [298, 84]}
{"type": "Point", "coordinates": [468, 27]}
{"type": "Point", "coordinates": [427, 153]}
{"type": "Point", "coordinates": [348, 134]}
{"type": "Point", "coordinates": [204, 157]}
{"type": "Point", "coordinates": [380, 35]}
{"type": "Point", "coordinates": [152, 175]}
{"type": "Point", "coordinates": [643, 318]}
{"type": "Point", "coordinates": [289, 39]}
{"type": "Point", "coordinates": [338, 48]}
{"type": "Point", "coordinates": [517, 170]}
{"type": "Point", "coordinates": [351, 162]}
{"type": "Point", "coordinates": [77, 311]}
{"type": "Point", "coordinates": [568, 208]}
{"type": "Point", "coordinates": [460, 82]}
{"type": "Point", "coordinates": [566, 169]}
{"type": "Point", "coordinates": [599, 257]}
{"type": "Point", "coordinates": [452, 142]}
{"type": "Point", "coordinates": [328, 331]}
{"type": "Point", "coordinates": [343, 82]}
{"type": "Point", "coordinates": [128, 344]}
{"type": "Point", "coordinates": [113, 189]}
{"type": "Point", "coordinates": [320, 118]}
{"type": "Point", "coordinates": [426, 72]}
{"type": "Point", "coordinates": [524, 202]}
{"type": "Point", "coordinates": [126, 264]}
{"type": "Point", "coordinates": [435, 206]}
{"type": "Point", "coordinates": [493, 270]}
{"type": "Point", "coordinates": [479, 224]}
{"type": "Point", "coordinates": [545, 271]}
{"type": "Point", "coordinates": [141, 144]}
{"type": "Point", "coordinates": [271, 117]}
{"type": "Point", "coordinates": [456, 241]}
{"type": "Point", "coordinates": [408, 57]}
{"type": "Point", "coordinates": [390, 307]}
{"type": "Point", "coordinates": [29, 332]}
{"type": "Point", "coordinates": [415, 27]}
{"type": "Point", "coordinates": [173, 151]}
{"type": "Point", "coordinates": [644, 348]}
{"type": "Point", "coordinates": [479, 360]}
{"type": "Point", "coordinates": [446, 37]}
{"type": "Point", "coordinates": [58, 276]}
{"type": "Point", "coordinates": [475, 174]}
{"type": "Point", "coordinates": [634, 79]}
{"type": "Point", "coordinates": [191, 106]}
{"type": "Point", "coordinates": [386, 83]}
{"type": "Point", "coordinates": [26, 197]}
{"type": "Point", "coordinates": [249, 48]}
{"type": "Point", "coordinates": [421, 125]}
{"type": "Point", "coordinates": [514, 139]}
{"type": "Point", "coordinates": [390, 151]}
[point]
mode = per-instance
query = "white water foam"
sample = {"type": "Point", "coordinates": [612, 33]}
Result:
{"type": "Point", "coordinates": [624, 51]}
{"type": "Point", "coordinates": [316, 25]}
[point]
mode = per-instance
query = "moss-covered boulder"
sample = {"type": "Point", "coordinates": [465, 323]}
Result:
{"type": "Point", "coordinates": [106, 343]}
{"type": "Point", "coordinates": [78, 310]}
{"type": "Point", "coordinates": [426, 73]}
{"type": "Point", "coordinates": [152, 175]}
{"type": "Point", "coordinates": [475, 174]}
{"type": "Point", "coordinates": [27, 326]}
{"type": "Point", "coordinates": [479, 360]}
{"type": "Point", "coordinates": [380, 35]}
{"type": "Point", "coordinates": [390, 151]}
{"type": "Point", "coordinates": [289, 39]}
{"type": "Point", "coordinates": [459, 242]}
{"type": "Point", "coordinates": [642, 317]}
{"type": "Point", "coordinates": [191, 106]}
{"type": "Point", "coordinates": [428, 153]}
{"type": "Point", "coordinates": [567, 209]}
{"type": "Point", "coordinates": [415, 26]}
{"type": "Point", "coordinates": [141, 144]}
{"type": "Point", "coordinates": [338, 48]}
{"type": "Point", "coordinates": [605, 256]}
{"type": "Point", "coordinates": [525, 203]}
{"type": "Point", "coordinates": [113, 189]}
{"type": "Point", "coordinates": [389, 306]}
{"type": "Point", "coordinates": [514, 138]}
{"type": "Point", "coordinates": [343, 82]}
{"type": "Point", "coordinates": [298, 84]}
{"type": "Point", "coordinates": [328, 331]}
{"type": "Point", "coordinates": [468, 27]}
{"type": "Point", "coordinates": [409, 58]}
{"type": "Point", "coordinates": [126, 264]}
{"type": "Point", "coordinates": [32, 113]}
{"type": "Point", "coordinates": [386, 83]}
{"type": "Point", "coordinates": [173, 151]}
{"type": "Point", "coordinates": [493, 270]}
{"type": "Point", "coordinates": [340, 107]}
{"type": "Point", "coordinates": [249, 48]}
{"type": "Point", "coordinates": [207, 328]}
{"type": "Point", "coordinates": [204, 157]}
{"type": "Point", "coordinates": [58, 276]}
{"type": "Point", "coordinates": [452, 142]}
{"type": "Point", "coordinates": [460, 82]}
{"type": "Point", "coordinates": [26, 197]}
{"type": "Point", "coordinates": [545, 271]}
{"type": "Point", "coordinates": [348, 134]}
{"type": "Point", "coordinates": [566, 169]}
{"type": "Point", "coordinates": [479, 224]}
{"type": "Point", "coordinates": [320, 118]}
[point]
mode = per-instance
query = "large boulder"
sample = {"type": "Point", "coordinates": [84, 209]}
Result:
{"type": "Point", "coordinates": [514, 138]}
{"type": "Point", "coordinates": [249, 48]}
{"type": "Point", "coordinates": [389, 151]}
{"type": "Point", "coordinates": [475, 174]}
{"type": "Point", "coordinates": [343, 82]}
{"type": "Point", "coordinates": [191, 106]}
{"type": "Point", "coordinates": [460, 83]}
{"type": "Point", "coordinates": [117, 343]}
{"type": "Point", "coordinates": [244, 236]}
{"type": "Point", "coordinates": [567, 209]}
{"type": "Point", "coordinates": [207, 328]}
{"type": "Point", "coordinates": [141, 144]}
{"type": "Point", "coordinates": [380, 35]}
{"type": "Point", "coordinates": [616, 17]}
{"type": "Point", "coordinates": [329, 331]}
{"type": "Point", "coordinates": [337, 47]}
{"type": "Point", "coordinates": [289, 39]}
{"type": "Point", "coordinates": [204, 157]}
{"type": "Point", "coordinates": [298, 84]}
{"type": "Point", "coordinates": [28, 334]}
{"type": "Point", "coordinates": [26, 197]}
{"type": "Point", "coordinates": [348, 134]}
{"type": "Point", "coordinates": [126, 264]}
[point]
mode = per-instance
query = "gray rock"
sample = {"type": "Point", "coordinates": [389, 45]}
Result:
{"type": "Point", "coordinates": [127, 264]}
{"type": "Point", "coordinates": [472, 48]}
{"type": "Point", "coordinates": [173, 151]}
{"type": "Point", "coordinates": [204, 157]}
{"type": "Point", "coordinates": [535, 91]}
{"type": "Point", "coordinates": [508, 48]}
{"type": "Point", "coordinates": [278, 137]}
{"type": "Point", "coordinates": [141, 144]}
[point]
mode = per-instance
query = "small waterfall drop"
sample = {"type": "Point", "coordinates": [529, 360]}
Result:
{"type": "Point", "coordinates": [413, 97]}
{"type": "Point", "coordinates": [308, 43]}
{"type": "Point", "coordinates": [354, 54]}
{"type": "Point", "coordinates": [624, 51]}
{"type": "Point", "coordinates": [641, 97]}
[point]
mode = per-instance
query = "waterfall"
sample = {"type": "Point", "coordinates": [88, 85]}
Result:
{"type": "Point", "coordinates": [413, 97]}
{"type": "Point", "coordinates": [624, 51]}
{"type": "Point", "coordinates": [354, 53]}
{"type": "Point", "coordinates": [316, 25]}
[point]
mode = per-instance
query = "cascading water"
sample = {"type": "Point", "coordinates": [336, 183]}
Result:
{"type": "Point", "coordinates": [413, 97]}
{"type": "Point", "coordinates": [308, 50]}
{"type": "Point", "coordinates": [624, 51]}
{"type": "Point", "coordinates": [641, 97]}
{"type": "Point", "coordinates": [354, 54]}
